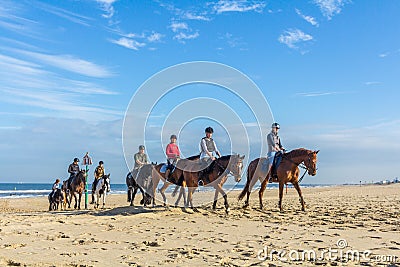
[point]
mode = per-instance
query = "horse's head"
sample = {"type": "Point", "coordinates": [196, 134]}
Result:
{"type": "Point", "coordinates": [107, 184]}
{"type": "Point", "coordinates": [311, 163]}
{"type": "Point", "coordinates": [236, 166]}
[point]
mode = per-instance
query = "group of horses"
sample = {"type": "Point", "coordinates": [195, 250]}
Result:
{"type": "Point", "coordinates": [76, 189]}
{"type": "Point", "coordinates": [187, 174]}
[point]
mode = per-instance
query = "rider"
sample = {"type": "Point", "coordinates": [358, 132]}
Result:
{"type": "Point", "coordinates": [98, 174]}
{"type": "Point", "coordinates": [274, 144]}
{"type": "Point", "coordinates": [173, 155]}
{"type": "Point", "coordinates": [208, 153]}
{"type": "Point", "coordinates": [73, 170]}
{"type": "Point", "coordinates": [55, 187]}
{"type": "Point", "coordinates": [140, 160]}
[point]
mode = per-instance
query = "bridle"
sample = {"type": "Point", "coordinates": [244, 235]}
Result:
{"type": "Point", "coordinates": [302, 165]}
{"type": "Point", "coordinates": [226, 170]}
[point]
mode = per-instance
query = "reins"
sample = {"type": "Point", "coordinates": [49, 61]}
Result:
{"type": "Point", "coordinates": [301, 165]}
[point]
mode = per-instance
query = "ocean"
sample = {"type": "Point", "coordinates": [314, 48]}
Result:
{"type": "Point", "coordinates": [27, 190]}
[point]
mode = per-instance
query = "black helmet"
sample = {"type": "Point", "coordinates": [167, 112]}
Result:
{"type": "Point", "coordinates": [209, 130]}
{"type": "Point", "coordinates": [141, 147]}
{"type": "Point", "coordinates": [101, 162]}
{"type": "Point", "coordinates": [173, 137]}
{"type": "Point", "coordinates": [275, 125]}
{"type": "Point", "coordinates": [76, 160]}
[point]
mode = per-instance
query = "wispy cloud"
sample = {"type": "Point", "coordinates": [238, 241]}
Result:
{"type": "Point", "coordinates": [309, 19]}
{"type": "Point", "coordinates": [293, 36]}
{"type": "Point", "coordinates": [155, 37]}
{"type": "Point", "coordinates": [128, 43]}
{"type": "Point", "coordinates": [63, 13]}
{"type": "Point", "coordinates": [238, 6]}
{"type": "Point", "coordinates": [232, 41]}
{"type": "Point", "coordinates": [184, 36]}
{"type": "Point", "coordinates": [70, 63]}
{"type": "Point", "coordinates": [316, 94]}
{"type": "Point", "coordinates": [372, 83]}
{"type": "Point", "coordinates": [330, 8]}
{"type": "Point", "coordinates": [178, 26]}
{"type": "Point", "coordinates": [108, 8]}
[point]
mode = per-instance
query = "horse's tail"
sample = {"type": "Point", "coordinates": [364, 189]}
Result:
{"type": "Point", "coordinates": [175, 190]}
{"type": "Point", "coordinates": [246, 188]}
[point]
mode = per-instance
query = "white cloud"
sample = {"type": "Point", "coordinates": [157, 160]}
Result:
{"type": "Point", "coordinates": [330, 8]}
{"type": "Point", "coordinates": [128, 43]}
{"type": "Point", "coordinates": [155, 37]}
{"type": "Point", "coordinates": [372, 83]}
{"type": "Point", "coordinates": [294, 36]}
{"type": "Point", "coordinates": [108, 8]}
{"type": "Point", "coordinates": [309, 19]}
{"type": "Point", "coordinates": [314, 94]}
{"type": "Point", "coordinates": [181, 37]}
{"type": "Point", "coordinates": [178, 26]}
{"type": "Point", "coordinates": [71, 63]}
{"type": "Point", "coordinates": [238, 6]}
{"type": "Point", "coordinates": [63, 13]}
{"type": "Point", "coordinates": [191, 16]}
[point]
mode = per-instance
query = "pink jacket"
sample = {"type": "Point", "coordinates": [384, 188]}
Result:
{"type": "Point", "coordinates": [172, 151]}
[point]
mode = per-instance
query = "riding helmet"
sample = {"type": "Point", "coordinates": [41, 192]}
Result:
{"type": "Point", "coordinates": [173, 137]}
{"type": "Point", "coordinates": [141, 147]}
{"type": "Point", "coordinates": [76, 160]}
{"type": "Point", "coordinates": [209, 130]}
{"type": "Point", "coordinates": [57, 180]}
{"type": "Point", "coordinates": [275, 125]}
{"type": "Point", "coordinates": [101, 162]}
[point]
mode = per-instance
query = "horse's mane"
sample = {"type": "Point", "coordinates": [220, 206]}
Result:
{"type": "Point", "coordinates": [297, 152]}
{"type": "Point", "coordinates": [226, 157]}
{"type": "Point", "coordinates": [194, 157]}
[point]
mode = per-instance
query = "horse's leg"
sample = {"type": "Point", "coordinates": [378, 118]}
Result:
{"type": "Point", "coordinates": [76, 201]}
{"type": "Point", "coordinates": [181, 194]}
{"type": "Point", "coordinates": [261, 192]}
{"type": "Point", "coordinates": [156, 180]}
{"type": "Point", "coordinates": [281, 185]}
{"type": "Point", "coordinates": [215, 199]}
{"type": "Point", "coordinates": [218, 187]}
{"type": "Point", "coordinates": [162, 190]}
{"type": "Point", "coordinates": [252, 183]}
{"type": "Point", "coordinates": [297, 186]}
{"type": "Point", "coordinates": [79, 203]}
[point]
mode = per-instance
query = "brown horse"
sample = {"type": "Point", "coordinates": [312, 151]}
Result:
{"type": "Point", "coordinates": [176, 177]}
{"type": "Point", "coordinates": [217, 174]}
{"type": "Point", "coordinates": [77, 186]}
{"type": "Point", "coordinates": [287, 171]}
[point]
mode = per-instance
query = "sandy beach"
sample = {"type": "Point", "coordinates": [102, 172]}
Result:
{"type": "Point", "coordinates": [358, 219]}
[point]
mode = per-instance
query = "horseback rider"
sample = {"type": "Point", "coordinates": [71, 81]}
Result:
{"type": "Point", "coordinates": [140, 160]}
{"type": "Point", "coordinates": [98, 174]}
{"type": "Point", "coordinates": [209, 151]}
{"type": "Point", "coordinates": [274, 144]}
{"type": "Point", "coordinates": [173, 155]}
{"type": "Point", "coordinates": [73, 170]}
{"type": "Point", "coordinates": [55, 187]}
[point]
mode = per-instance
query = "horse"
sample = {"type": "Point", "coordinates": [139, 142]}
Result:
{"type": "Point", "coordinates": [55, 199]}
{"type": "Point", "coordinates": [175, 177]}
{"type": "Point", "coordinates": [287, 171]}
{"type": "Point", "coordinates": [217, 174]}
{"type": "Point", "coordinates": [77, 186]}
{"type": "Point", "coordinates": [133, 186]}
{"type": "Point", "coordinates": [102, 188]}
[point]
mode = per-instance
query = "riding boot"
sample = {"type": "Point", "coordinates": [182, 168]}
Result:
{"type": "Point", "coordinates": [167, 172]}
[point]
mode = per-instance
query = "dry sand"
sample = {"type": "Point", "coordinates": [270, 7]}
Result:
{"type": "Point", "coordinates": [367, 218]}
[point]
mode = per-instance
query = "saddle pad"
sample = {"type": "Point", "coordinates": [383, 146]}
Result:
{"type": "Point", "coordinates": [163, 168]}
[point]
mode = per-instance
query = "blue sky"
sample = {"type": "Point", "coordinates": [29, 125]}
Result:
{"type": "Point", "coordinates": [329, 70]}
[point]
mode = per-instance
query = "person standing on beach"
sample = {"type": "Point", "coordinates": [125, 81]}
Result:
{"type": "Point", "coordinates": [274, 144]}
{"type": "Point", "coordinates": [98, 174]}
{"type": "Point", "coordinates": [208, 153]}
{"type": "Point", "coordinates": [73, 171]}
{"type": "Point", "coordinates": [140, 159]}
{"type": "Point", "coordinates": [173, 155]}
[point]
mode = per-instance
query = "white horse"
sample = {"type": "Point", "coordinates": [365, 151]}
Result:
{"type": "Point", "coordinates": [103, 186]}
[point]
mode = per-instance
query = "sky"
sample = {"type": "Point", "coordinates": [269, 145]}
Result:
{"type": "Point", "coordinates": [327, 69]}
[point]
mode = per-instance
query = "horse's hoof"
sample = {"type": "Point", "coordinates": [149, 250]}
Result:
{"type": "Point", "coordinates": [245, 206]}
{"type": "Point", "coordinates": [227, 211]}
{"type": "Point", "coordinates": [195, 210]}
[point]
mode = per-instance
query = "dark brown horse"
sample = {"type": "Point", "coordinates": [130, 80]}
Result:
{"type": "Point", "coordinates": [216, 175]}
{"type": "Point", "coordinates": [287, 171]}
{"type": "Point", "coordinates": [77, 186]}
{"type": "Point", "coordinates": [132, 190]}
{"type": "Point", "coordinates": [175, 177]}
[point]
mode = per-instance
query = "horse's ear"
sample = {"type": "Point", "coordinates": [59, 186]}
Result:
{"type": "Point", "coordinates": [316, 152]}
{"type": "Point", "coordinates": [242, 157]}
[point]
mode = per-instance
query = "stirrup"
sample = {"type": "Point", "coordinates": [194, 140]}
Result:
{"type": "Point", "coordinates": [200, 183]}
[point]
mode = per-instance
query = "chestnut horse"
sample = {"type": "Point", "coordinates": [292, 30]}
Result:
{"type": "Point", "coordinates": [287, 171]}
{"type": "Point", "coordinates": [217, 174]}
{"type": "Point", "coordinates": [175, 177]}
{"type": "Point", "coordinates": [77, 186]}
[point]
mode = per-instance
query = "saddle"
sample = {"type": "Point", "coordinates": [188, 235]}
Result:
{"type": "Point", "coordinates": [275, 166]}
